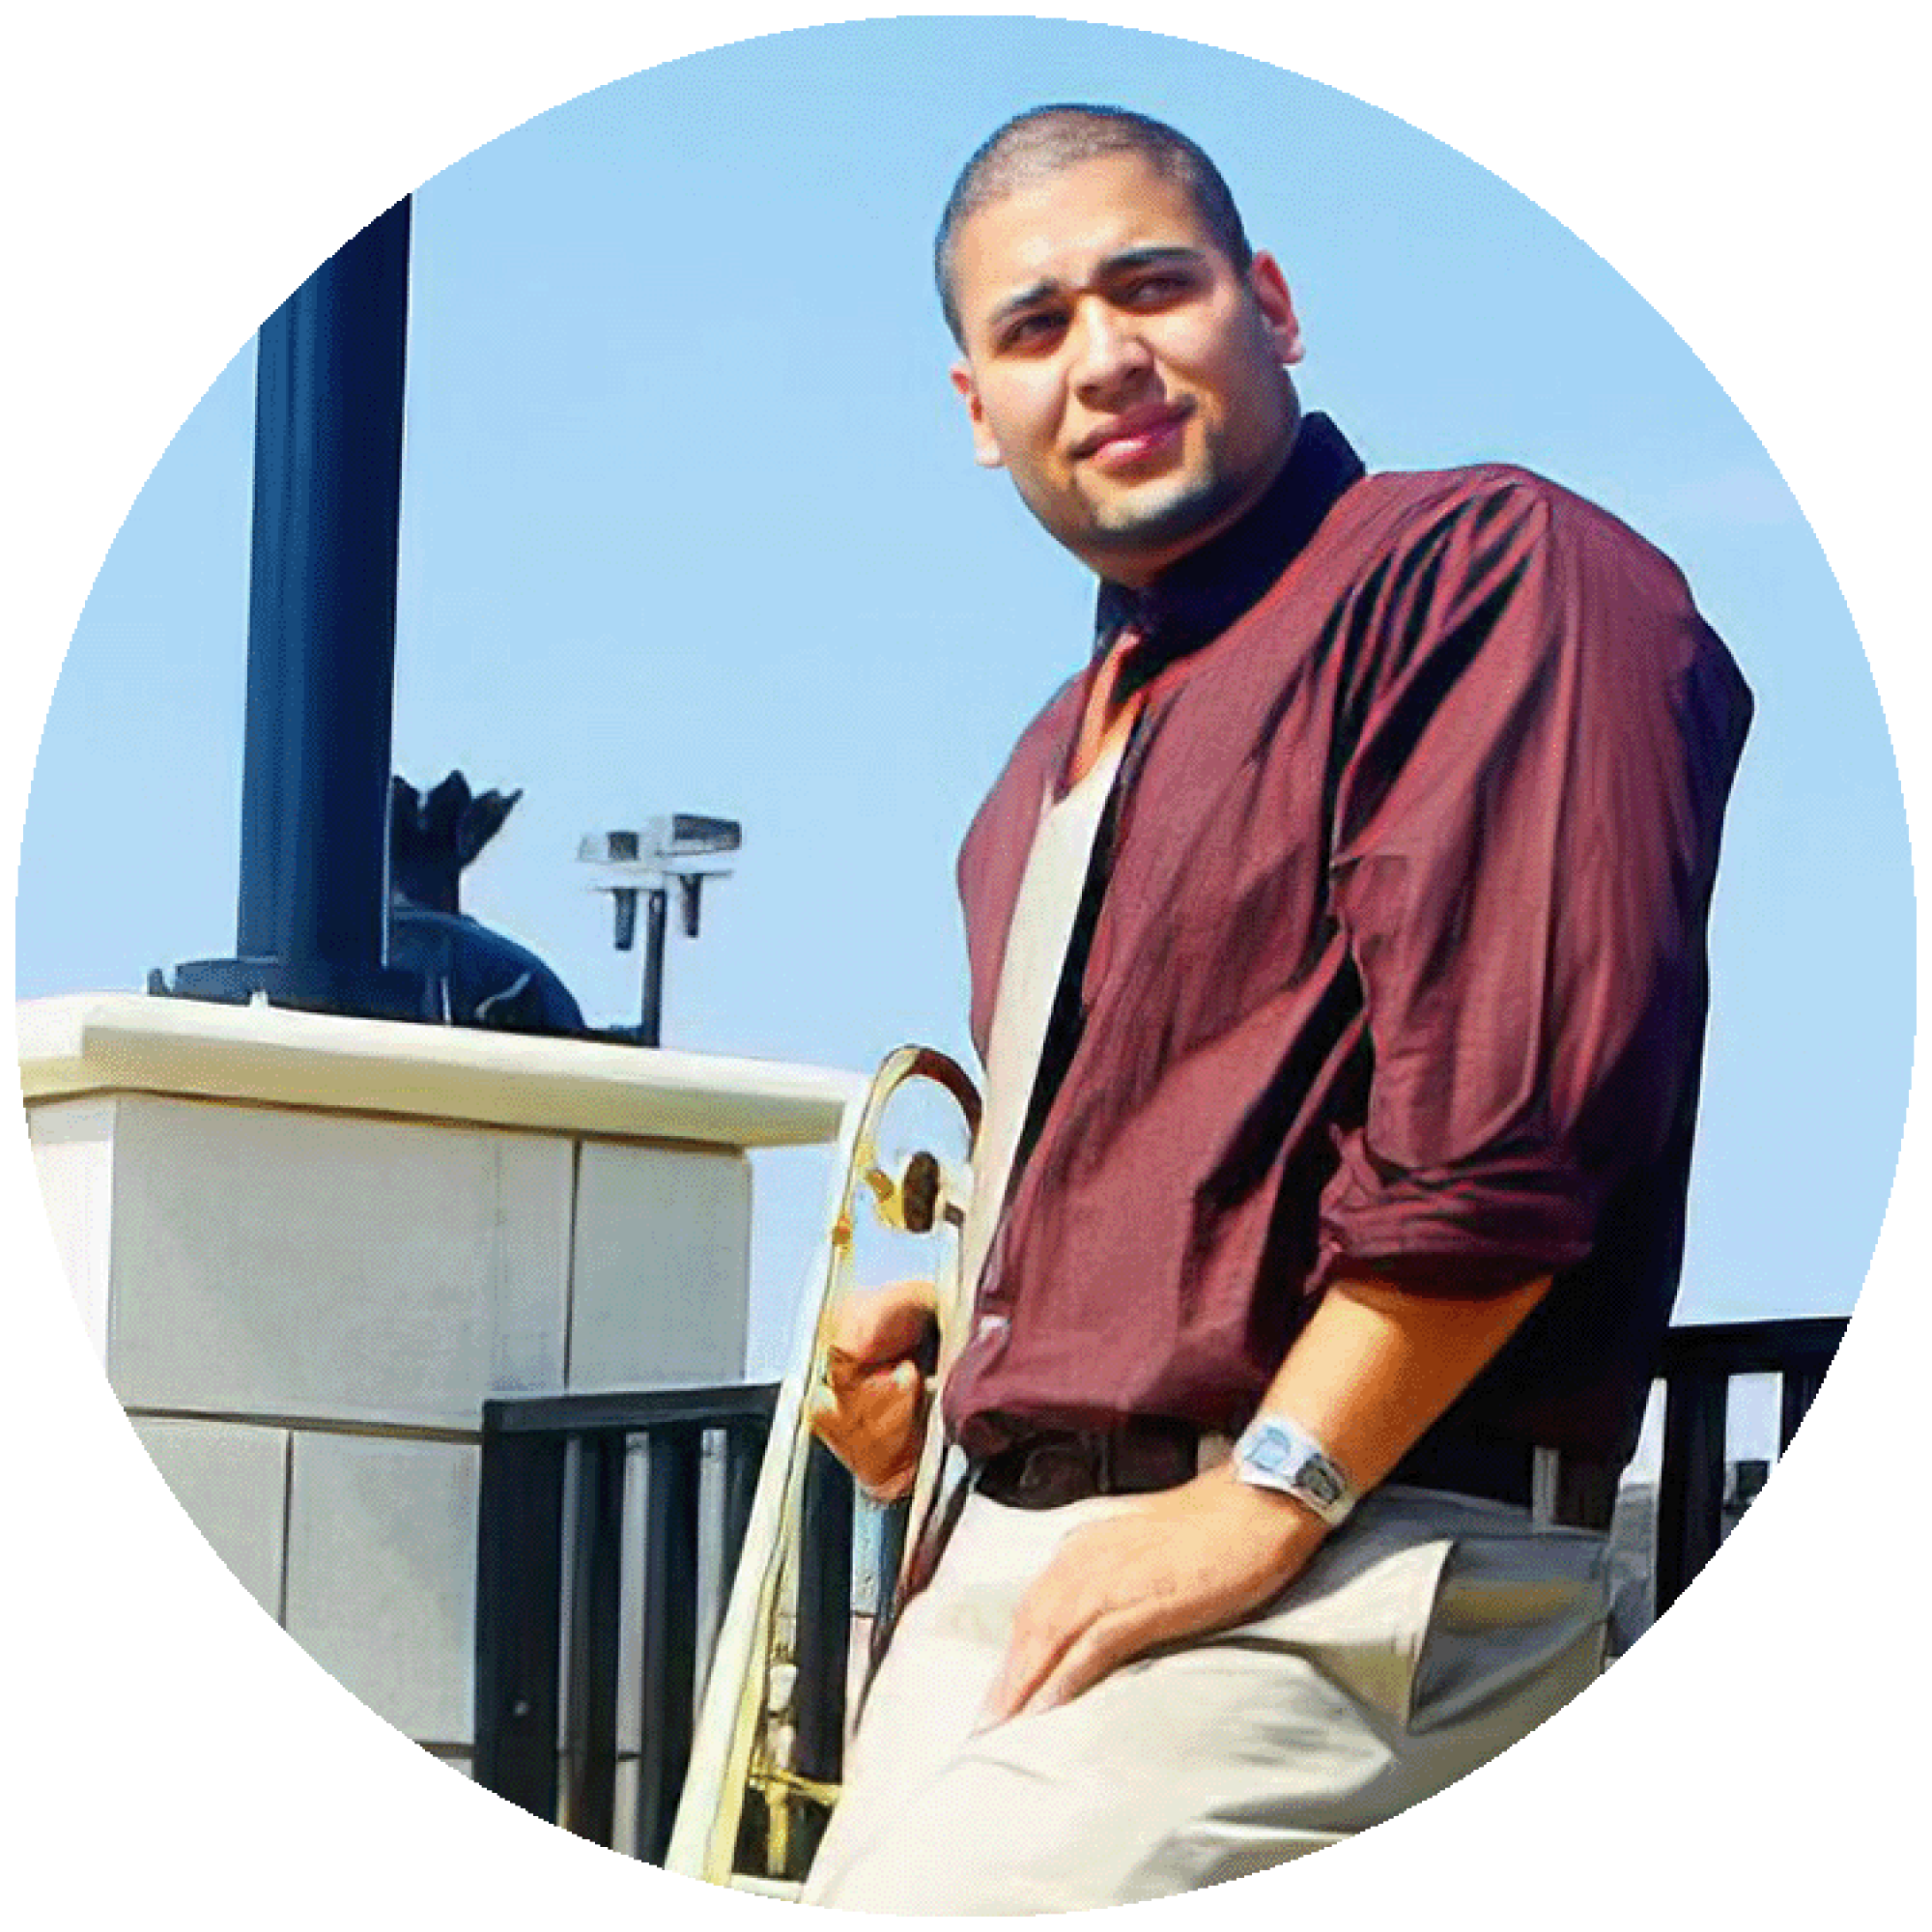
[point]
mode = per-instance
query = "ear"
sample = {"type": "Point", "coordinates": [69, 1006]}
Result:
{"type": "Point", "coordinates": [986, 452]}
{"type": "Point", "coordinates": [481, 821]}
{"type": "Point", "coordinates": [1269, 288]}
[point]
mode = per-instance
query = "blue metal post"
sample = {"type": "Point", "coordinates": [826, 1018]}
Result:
{"type": "Point", "coordinates": [328, 443]}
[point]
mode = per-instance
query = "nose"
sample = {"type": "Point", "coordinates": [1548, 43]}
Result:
{"type": "Point", "coordinates": [1109, 355]}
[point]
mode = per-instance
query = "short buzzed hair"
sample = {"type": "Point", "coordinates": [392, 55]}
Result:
{"type": "Point", "coordinates": [1044, 141]}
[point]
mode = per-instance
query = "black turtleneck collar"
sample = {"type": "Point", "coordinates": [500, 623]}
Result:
{"type": "Point", "coordinates": [1196, 598]}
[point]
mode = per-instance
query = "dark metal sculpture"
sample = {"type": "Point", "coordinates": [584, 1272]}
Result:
{"type": "Point", "coordinates": [471, 976]}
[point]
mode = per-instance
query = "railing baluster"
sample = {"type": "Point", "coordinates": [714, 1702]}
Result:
{"type": "Point", "coordinates": [519, 1586]}
{"type": "Point", "coordinates": [1691, 1498]}
{"type": "Point", "coordinates": [824, 1623]}
{"type": "Point", "coordinates": [744, 1452]}
{"type": "Point", "coordinates": [590, 1734]}
{"type": "Point", "coordinates": [1797, 1387]}
{"type": "Point", "coordinates": [670, 1631]}
{"type": "Point", "coordinates": [824, 1615]}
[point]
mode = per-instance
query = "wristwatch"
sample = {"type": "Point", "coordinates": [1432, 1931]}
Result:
{"type": "Point", "coordinates": [1276, 1453]}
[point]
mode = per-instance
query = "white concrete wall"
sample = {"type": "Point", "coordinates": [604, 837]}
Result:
{"type": "Point", "coordinates": [308, 1250]}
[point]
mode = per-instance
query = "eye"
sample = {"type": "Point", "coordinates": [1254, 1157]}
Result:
{"type": "Point", "coordinates": [1164, 285]}
{"type": "Point", "coordinates": [1030, 330]}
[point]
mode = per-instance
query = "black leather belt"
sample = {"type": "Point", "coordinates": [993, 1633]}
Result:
{"type": "Point", "coordinates": [1054, 1467]}
{"type": "Point", "coordinates": [1058, 1467]}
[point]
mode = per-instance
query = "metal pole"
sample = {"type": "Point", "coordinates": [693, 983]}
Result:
{"type": "Point", "coordinates": [650, 1024]}
{"type": "Point", "coordinates": [311, 916]}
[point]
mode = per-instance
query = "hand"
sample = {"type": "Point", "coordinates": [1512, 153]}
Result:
{"type": "Point", "coordinates": [870, 1409]}
{"type": "Point", "coordinates": [1187, 1560]}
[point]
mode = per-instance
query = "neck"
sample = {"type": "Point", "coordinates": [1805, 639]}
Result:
{"type": "Point", "coordinates": [1203, 591]}
{"type": "Point", "coordinates": [1144, 571]}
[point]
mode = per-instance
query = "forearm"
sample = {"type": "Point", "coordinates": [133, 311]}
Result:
{"type": "Point", "coordinates": [1371, 1370]}
{"type": "Point", "coordinates": [1376, 1365]}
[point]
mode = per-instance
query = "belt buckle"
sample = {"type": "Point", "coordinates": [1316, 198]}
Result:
{"type": "Point", "coordinates": [1042, 1478]}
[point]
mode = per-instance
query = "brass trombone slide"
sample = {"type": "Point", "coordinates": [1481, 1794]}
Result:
{"type": "Point", "coordinates": [743, 1735]}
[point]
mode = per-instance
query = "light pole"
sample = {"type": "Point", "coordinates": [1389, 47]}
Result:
{"type": "Point", "coordinates": [322, 636]}
{"type": "Point", "coordinates": [668, 851]}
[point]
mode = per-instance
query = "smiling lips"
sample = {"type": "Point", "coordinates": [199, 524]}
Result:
{"type": "Point", "coordinates": [1134, 437]}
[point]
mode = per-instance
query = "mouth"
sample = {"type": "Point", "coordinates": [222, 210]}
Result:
{"type": "Point", "coordinates": [1135, 437]}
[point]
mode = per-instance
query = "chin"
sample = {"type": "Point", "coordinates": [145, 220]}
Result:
{"type": "Point", "coordinates": [1179, 510]}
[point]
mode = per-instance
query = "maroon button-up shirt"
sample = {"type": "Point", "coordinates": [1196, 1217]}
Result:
{"type": "Point", "coordinates": [1393, 961]}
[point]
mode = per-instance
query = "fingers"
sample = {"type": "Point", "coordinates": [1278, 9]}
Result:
{"type": "Point", "coordinates": [1113, 1590]}
{"type": "Point", "coordinates": [870, 1409]}
{"type": "Point", "coordinates": [872, 1421]}
{"type": "Point", "coordinates": [874, 1325]}
{"type": "Point", "coordinates": [1053, 1643]}
{"type": "Point", "coordinates": [1183, 1562]}
{"type": "Point", "coordinates": [1051, 1662]}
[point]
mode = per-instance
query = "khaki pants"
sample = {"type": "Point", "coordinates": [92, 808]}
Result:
{"type": "Point", "coordinates": [1429, 1632]}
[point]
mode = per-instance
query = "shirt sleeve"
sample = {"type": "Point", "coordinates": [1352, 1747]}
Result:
{"type": "Point", "coordinates": [1526, 829]}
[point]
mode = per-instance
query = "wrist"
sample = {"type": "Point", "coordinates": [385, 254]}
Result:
{"type": "Point", "coordinates": [1271, 1521]}
{"type": "Point", "coordinates": [1277, 1455]}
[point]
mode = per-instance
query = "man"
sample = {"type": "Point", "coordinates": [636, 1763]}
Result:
{"type": "Point", "coordinates": [1330, 1201]}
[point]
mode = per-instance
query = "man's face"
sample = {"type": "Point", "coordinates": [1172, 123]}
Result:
{"type": "Point", "coordinates": [1119, 365]}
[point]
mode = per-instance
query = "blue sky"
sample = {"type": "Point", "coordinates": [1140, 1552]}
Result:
{"type": "Point", "coordinates": [690, 524]}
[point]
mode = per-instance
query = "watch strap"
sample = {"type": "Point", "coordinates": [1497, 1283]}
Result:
{"type": "Point", "coordinates": [1276, 1453]}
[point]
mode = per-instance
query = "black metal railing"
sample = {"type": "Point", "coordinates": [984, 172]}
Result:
{"type": "Point", "coordinates": [1699, 1364]}
{"type": "Point", "coordinates": [571, 1562]}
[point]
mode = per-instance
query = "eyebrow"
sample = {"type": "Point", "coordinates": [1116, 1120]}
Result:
{"type": "Point", "coordinates": [1126, 262]}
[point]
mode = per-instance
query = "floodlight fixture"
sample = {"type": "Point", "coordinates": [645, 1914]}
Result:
{"type": "Point", "coordinates": [678, 847]}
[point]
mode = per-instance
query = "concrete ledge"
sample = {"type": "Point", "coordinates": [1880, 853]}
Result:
{"type": "Point", "coordinates": [128, 1042]}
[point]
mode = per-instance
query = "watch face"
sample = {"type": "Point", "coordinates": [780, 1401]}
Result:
{"type": "Point", "coordinates": [1282, 1459]}
{"type": "Point", "coordinates": [1318, 1478]}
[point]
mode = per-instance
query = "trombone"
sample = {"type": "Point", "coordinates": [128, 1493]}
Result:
{"type": "Point", "coordinates": [743, 1742]}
